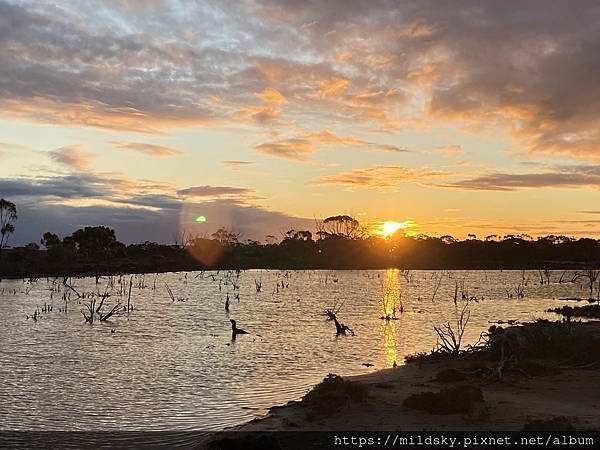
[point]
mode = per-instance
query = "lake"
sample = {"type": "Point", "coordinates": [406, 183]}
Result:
{"type": "Point", "coordinates": [172, 365]}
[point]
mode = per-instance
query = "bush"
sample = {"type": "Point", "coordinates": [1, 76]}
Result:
{"type": "Point", "coordinates": [592, 311]}
{"type": "Point", "coordinates": [332, 394]}
{"type": "Point", "coordinates": [460, 399]}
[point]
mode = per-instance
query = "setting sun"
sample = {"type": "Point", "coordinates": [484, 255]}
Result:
{"type": "Point", "coordinates": [389, 228]}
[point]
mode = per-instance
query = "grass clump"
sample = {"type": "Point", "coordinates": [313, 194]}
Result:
{"type": "Point", "coordinates": [332, 394]}
{"type": "Point", "coordinates": [574, 342]}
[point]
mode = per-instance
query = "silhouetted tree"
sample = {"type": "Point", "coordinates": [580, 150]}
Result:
{"type": "Point", "coordinates": [94, 242]}
{"type": "Point", "coordinates": [294, 235]}
{"type": "Point", "coordinates": [8, 215]}
{"type": "Point", "coordinates": [344, 226]}
{"type": "Point", "coordinates": [55, 248]}
{"type": "Point", "coordinates": [225, 237]}
{"type": "Point", "coordinates": [50, 240]}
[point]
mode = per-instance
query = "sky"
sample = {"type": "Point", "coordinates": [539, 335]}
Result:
{"type": "Point", "coordinates": [468, 117]}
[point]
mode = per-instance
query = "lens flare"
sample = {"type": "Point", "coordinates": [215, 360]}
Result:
{"type": "Point", "coordinates": [195, 229]}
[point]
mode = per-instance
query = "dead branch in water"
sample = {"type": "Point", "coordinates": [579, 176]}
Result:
{"type": "Point", "coordinates": [172, 296]}
{"type": "Point", "coordinates": [115, 310]}
{"type": "Point", "coordinates": [129, 295]}
{"type": "Point", "coordinates": [89, 317]}
{"type": "Point", "coordinates": [437, 285]}
{"type": "Point", "coordinates": [104, 296]}
{"type": "Point", "coordinates": [93, 310]}
{"type": "Point", "coordinates": [258, 284]}
{"type": "Point", "coordinates": [331, 314]}
{"type": "Point", "coordinates": [170, 292]}
{"type": "Point", "coordinates": [406, 274]}
{"type": "Point", "coordinates": [72, 288]}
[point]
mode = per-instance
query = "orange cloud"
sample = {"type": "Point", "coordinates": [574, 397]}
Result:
{"type": "Point", "coordinates": [271, 96]}
{"type": "Point", "coordinates": [332, 87]}
{"type": "Point", "coordinates": [73, 157]}
{"type": "Point", "coordinates": [569, 177]}
{"type": "Point", "coordinates": [98, 115]}
{"type": "Point", "coordinates": [12, 147]}
{"type": "Point", "coordinates": [386, 64]}
{"type": "Point", "coordinates": [147, 149]}
{"type": "Point", "coordinates": [258, 114]}
{"type": "Point", "coordinates": [236, 165]}
{"type": "Point", "coordinates": [300, 147]}
{"type": "Point", "coordinates": [343, 56]}
{"type": "Point", "coordinates": [377, 177]}
{"type": "Point", "coordinates": [294, 149]}
{"type": "Point", "coordinates": [217, 192]}
{"type": "Point", "coordinates": [450, 150]}
{"type": "Point", "coordinates": [327, 137]}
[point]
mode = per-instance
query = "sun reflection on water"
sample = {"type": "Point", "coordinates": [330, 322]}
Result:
{"type": "Point", "coordinates": [390, 344]}
{"type": "Point", "coordinates": [389, 305]}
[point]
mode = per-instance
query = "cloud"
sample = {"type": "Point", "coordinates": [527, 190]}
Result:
{"type": "Point", "coordinates": [73, 66]}
{"type": "Point", "coordinates": [215, 191]}
{"type": "Point", "coordinates": [450, 150]}
{"type": "Point", "coordinates": [138, 210]}
{"type": "Point", "coordinates": [236, 164]}
{"type": "Point", "coordinates": [258, 114]}
{"type": "Point", "coordinates": [561, 177]}
{"type": "Point", "coordinates": [327, 137]}
{"type": "Point", "coordinates": [134, 225]}
{"type": "Point", "coordinates": [526, 68]}
{"type": "Point", "coordinates": [296, 149]}
{"type": "Point", "coordinates": [377, 177]}
{"type": "Point", "coordinates": [147, 149]}
{"type": "Point", "coordinates": [10, 147]}
{"type": "Point", "coordinates": [332, 87]}
{"type": "Point", "coordinates": [71, 186]}
{"type": "Point", "coordinates": [300, 147]}
{"type": "Point", "coordinates": [272, 96]}
{"type": "Point", "coordinates": [73, 157]}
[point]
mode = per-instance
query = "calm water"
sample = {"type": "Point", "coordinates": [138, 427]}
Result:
{"type": "Point", "coordinates": [173, 366]}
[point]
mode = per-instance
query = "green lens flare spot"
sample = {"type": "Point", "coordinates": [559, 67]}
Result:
{"type": "Point", "coordinates": [200, 219]}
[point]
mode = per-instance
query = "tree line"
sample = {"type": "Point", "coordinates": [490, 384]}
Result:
{"type": "Point", "coordinates": [339, 242]}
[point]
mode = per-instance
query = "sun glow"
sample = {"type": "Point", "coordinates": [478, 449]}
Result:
{"type": "Point", "coordinates": [389, 228]}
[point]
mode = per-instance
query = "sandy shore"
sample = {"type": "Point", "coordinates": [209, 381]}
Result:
{"type": "Point", "coordinates": [538, 389]}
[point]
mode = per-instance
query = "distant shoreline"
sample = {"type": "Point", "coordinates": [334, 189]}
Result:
{"type": "Point", "coordinates": [100, 269]}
